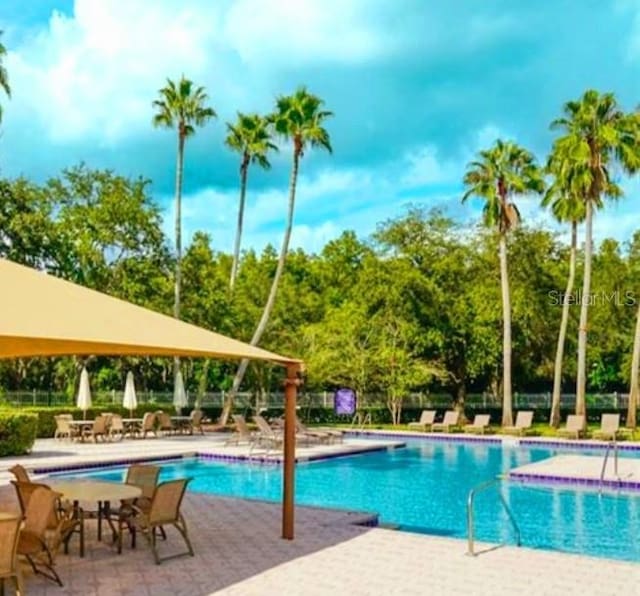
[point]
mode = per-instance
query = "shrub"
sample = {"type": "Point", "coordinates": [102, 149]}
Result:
{"type": "Point", "coordinates": [18, 432]}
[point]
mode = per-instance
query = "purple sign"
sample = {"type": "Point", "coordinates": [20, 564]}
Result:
{"type": "Point", "coordinates": [344, 402]}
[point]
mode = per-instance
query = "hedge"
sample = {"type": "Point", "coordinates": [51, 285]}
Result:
{"type": "Point", "coordinates": [17, 433]}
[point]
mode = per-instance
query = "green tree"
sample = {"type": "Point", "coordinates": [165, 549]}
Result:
{"type": "Point", "coordinates": [566, 207]}
{"type": "Point", "coordinates": [595, 137]}
{"type": "Point", "coordinates": [4, 75]}
{"type": "Point", "coordinates": [500, 173]}
{"type": "Point", "coordinates": [299, 118]}
{"type": "Point", "coordinates": [250, 136]}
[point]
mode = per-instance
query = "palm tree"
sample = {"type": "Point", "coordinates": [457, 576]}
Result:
{"type": "Point", "coordinates": [4, 76]}
{"type": "Point", "coordinates": [251, 137]}
{"type": "Point", "coordinates": [596, 135]}
{"type": "Point", "coordinates": [566, 207]}
{"type": "Point", "coordinates": [298, 118]}
{"type": "Point", "coordinates": [182, 106]}
{"type": "Point", "coordinates": [633, 122]}
{"type": "Point", "coordinates": [499, 173]}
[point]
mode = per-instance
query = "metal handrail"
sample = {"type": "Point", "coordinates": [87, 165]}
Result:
{"type": "Point", "coordinates": [613, 444]}
{"type": "Point", "coordinates": [470, 518]}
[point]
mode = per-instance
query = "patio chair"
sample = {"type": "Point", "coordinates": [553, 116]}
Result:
{"type": "Point", "coordinates": [266, 435]}
{"type": "Point", "coordinates": [98, 429]}
{"type": "Point", "coordinates": [427, 418]}
{"type": "Point", "coordinates": [38, 541]}
{"type": "Point", "coordinates": [524, 422]}
{"type": "Point", "coordinates": [63, 428]}
{"type": "Point", "coordinates": [9, 566]}
{"type": "Point", "coordinates": [62, 518]}
{"type": "Point", "coordinates": [148, 425]}
{"type": "Point", "coordinates": [451, 420]}
{"type": "Point", "coordinates": [609, 427]}
{"type": "Point", "coordinates": [195, 422]}
{"type": "Point", "coordinates": [164, 510]}
{"type": "Point", "coordinates": [116, 427]}
{"type": "Point", "coordinates": [242, 433]}
{"type": "Point", "coordinates": [20, 473]}
{"type": "Point", "coordinates": [145, 477]}
{"type": "Point", "coordinates": [165, 423]}
{"type": "Point", "coordinates": [575, 427]}
{"type": "Point", "coordinates": [479, 425]}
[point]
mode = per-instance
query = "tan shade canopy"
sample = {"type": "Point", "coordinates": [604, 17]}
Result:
{"type": "Point", "coordinates": [42, 315]}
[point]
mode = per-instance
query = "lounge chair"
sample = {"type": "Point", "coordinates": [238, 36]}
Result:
{"type": "Point", "coordinates": [427, 418]}
{"type": "Point", "coordinates": [575, 427]}
{"type": "Point", "coordinates": [450, 421]}
{"type": "Point", "coordinates": [524, 422]}
{"type": "Point", "coordinates": [242, 433]}
{"type": "Point", "coordinates": [9, 566]}
{"type": "Point", "coordinates": [609, 427]}
{"type": "Point", "coordinates": [20, 473]}
{"type": "Point", "coordinates": [479, 425]}
{"type": "Point", "coordinates": [334, 433]}
{"type": "Point", "coordinates": [164, 510]}
{"type": "Point", "coordinates": [266, 435]}
{"type": "Point", "coordinates": [321, 436]}
{"type": "Point", "coordinates": [39, 541]}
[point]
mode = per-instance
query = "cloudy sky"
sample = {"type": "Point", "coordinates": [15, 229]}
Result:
{"type": "Point", "coordinates": [417, 86]}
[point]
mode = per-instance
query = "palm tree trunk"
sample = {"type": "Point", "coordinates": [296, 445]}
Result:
{"type": "Point", "coordinates": [236, 248]}
{"type": "Point", "coordinates": [266, 313]}
{"type": "Point", "coordinates": [178, 230]}
{"type": "Point", "coordinates": [635, 364]}
{"type": "Point", "coordinates": [581, 381]}
{"type": "Point", "coordinates": [554, 419]}
{"type": "Point", "coordinates": [507, 413]}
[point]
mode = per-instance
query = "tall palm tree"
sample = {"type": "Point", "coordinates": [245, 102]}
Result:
{"type": "Point", "coordinates": [300, 119]}
{"type": "Point", "coordinates": [633, 124]}
{"type": "Point", "coordinates": [181, 105]}
{"type": "Point", "coordinates": [596, 135]}
{"type": "Point", "coordinates": [566, 207]}
{"type": "Point", "coordinates": [251, 137]}
{"type": "Point", "coordinates": [496, 176]}
{"type": "Point", "coordinates": [4, 76]}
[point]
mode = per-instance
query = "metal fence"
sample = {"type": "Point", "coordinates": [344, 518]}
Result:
{"type": "Point", "coordinates": [315, 400]}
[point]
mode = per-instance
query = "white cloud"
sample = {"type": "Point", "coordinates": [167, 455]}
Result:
{"type": "Point", "coordinates": [93, 75]}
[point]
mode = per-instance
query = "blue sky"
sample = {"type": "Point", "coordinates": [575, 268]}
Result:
{"type": "Point", "coordinates": [417, 86]}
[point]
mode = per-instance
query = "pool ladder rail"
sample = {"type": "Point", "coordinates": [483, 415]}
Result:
{"type": "Point", "coordinates": [612, 444]}
{"type": "Point", "coordinates": [470, 513]}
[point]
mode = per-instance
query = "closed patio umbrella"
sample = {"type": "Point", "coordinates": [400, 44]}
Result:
{"type": "Point", "coordinates": [179, 394]}
{"type": "Point", "coordinates": [130, 401]}
{"type": "Point", "coordinates": [84, 393]}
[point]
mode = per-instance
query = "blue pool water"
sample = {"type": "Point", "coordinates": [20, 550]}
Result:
{"type": "Point", "coordinates": [424, 488]}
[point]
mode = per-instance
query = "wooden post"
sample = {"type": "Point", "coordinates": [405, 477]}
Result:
{"type": "Point", "coordinates": [290, 395]}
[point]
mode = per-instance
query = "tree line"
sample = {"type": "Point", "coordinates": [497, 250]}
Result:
{"type": "Point", "coordinates": [412, 307]}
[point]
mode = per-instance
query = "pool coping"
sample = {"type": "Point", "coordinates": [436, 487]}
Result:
{"type": "Point", "coordinates": [263, 459]}
{"type": "Point", "coordinates": [573, 481]}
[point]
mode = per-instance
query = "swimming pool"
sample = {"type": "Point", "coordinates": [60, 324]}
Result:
{"type": "Point", "coordinates": [424, 487]}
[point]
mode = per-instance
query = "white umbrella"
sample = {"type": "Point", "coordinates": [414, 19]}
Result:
{"type": "Point", "coordinates": [130, 400]}
{"type": "Point", "coordinates": [179, 394]}
{"type": "Point", "coordinates": [84, 393]}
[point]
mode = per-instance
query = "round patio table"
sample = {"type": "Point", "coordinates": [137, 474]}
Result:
{"type": "Point", "coordinates": [95, 491]}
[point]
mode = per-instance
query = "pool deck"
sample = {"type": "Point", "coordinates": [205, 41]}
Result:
{"type": "Point", "coordinates": [50, 455]}
{"type": "Point", "coordinates": [238, 552]}
{"type": "Point", "coordinates": [582, 470]}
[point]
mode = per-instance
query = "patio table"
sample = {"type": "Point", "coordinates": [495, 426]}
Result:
{"type": "Point", "coordinates": [181, 422]}
{"type": "Point", "coordinates": [95, 491]}
{"type": "Point", "coordinates": [130, 424]}
{"type": "Point", "coordinates": [80, 426]}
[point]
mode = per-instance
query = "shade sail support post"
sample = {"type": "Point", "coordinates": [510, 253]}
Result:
{"type": "Point", "coordinates": [291, 385]}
